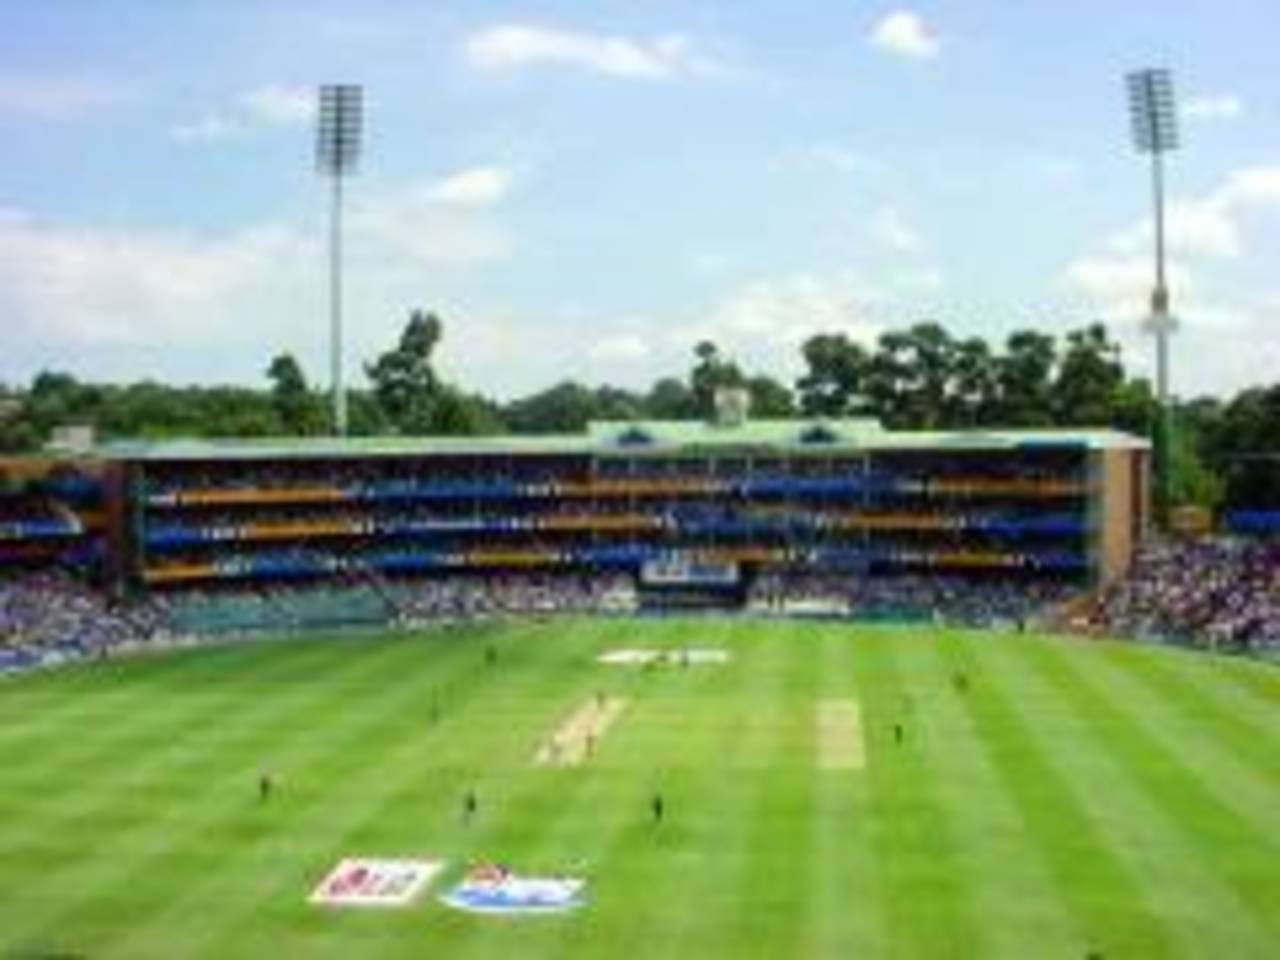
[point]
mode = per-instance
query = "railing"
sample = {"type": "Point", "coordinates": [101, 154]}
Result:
{"type": "Point", "coordinates": [764, 487]}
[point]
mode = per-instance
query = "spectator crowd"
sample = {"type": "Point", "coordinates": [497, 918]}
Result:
{"type": "Point", "coordinates": [985, 602]}
{"type": "Point", "coordinates": [1222, 593]}
{"type": "Point", "coordinates": [1216, 593]}
{"type": "Point", "coordinates": [49, 617]}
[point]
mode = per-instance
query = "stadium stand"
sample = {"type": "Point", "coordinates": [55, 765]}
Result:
{"type": "Point", "coordinates": [1223, 592]}
{"type": "Point", "coordinates": [692, 512]}
{"type": "Point", "coordinates": [838, 518]}
{"type": "Point", "coordinates": [49, 617]}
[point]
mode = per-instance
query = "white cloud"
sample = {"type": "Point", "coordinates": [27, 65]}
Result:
{"type": "Point", "coordinates": [51, 97]}
{"type": "Point", "coordinates": [210, 129]}
{"type": "Point", "coordinates": [622, 347]}
{"type": "Point", "coordinates": [766, 321]}
{"type": "Point", "coordinates": [890, 229]}
{"type": "Point", "coordinates": [1208, 225]}
{"type": "Point", "coordinates": [1226, 339]}
{"type": "Point", "coordinates": [761, 324]}
{"type": "Point", "coordinates": [513, 45]}
{"type": "Point", "coordinates": [85, 286]}
{"type": "Point", "coordinates": [117, 303]}
{"type": "Point", "coordinates": [1200, 227]}
{"type": "Point", "coordinates": [1225, 106]}
{"type": "Point", "coordinates": [473, 187]}
{"type": "Point", "coordinates": [1119, 288]}
{"type": "Point", "coordinates": [270, 105]}
{"type": "Point", "coordinates": [278, 105]}
{"type": "Point", "coordinates": [904, 33]}
{"type": "Point", "coordinates": [406, 229]}
{"type": "Point", "coordinates": [1252, 187]}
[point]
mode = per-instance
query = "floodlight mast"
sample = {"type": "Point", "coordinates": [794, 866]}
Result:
{"type": "Point", "coordinates": [338, 154]}
{"type": "Point", "coordinates": [1155, 131]}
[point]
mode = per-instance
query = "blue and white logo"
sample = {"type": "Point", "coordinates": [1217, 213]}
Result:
{"type": "Point", "coordinates": [495, 889]}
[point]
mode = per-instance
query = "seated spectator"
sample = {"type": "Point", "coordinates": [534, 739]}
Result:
{"type": "Point", "coordinates": [1211, 592]}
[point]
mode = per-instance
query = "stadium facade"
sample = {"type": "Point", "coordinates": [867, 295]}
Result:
{"type": "Point", "coordinates": [681, 506]}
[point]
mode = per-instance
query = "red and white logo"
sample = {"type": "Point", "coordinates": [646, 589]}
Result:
{"type": "Point", "coordinates": [362, 882]}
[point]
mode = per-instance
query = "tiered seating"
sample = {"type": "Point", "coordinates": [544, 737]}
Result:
{"type": "Point", "coordinates": [282, 609]}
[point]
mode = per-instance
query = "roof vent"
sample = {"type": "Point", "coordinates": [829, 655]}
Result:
{"type": "Point", "coordinates": [818, 433]}
{"type": "Point", "coordinates": [635, 437]}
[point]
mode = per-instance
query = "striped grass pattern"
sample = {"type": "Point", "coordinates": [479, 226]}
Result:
{"type": "Point", "coordinates": [1068, 797]}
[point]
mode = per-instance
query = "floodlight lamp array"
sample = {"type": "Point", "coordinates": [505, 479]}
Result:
{"type": "Point", "coordinates": [1153, 116]}
{"type": "Point", "coordinates": [339, 130]}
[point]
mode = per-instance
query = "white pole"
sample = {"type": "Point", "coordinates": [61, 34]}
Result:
{"type": "Point", "coordinates": [335, 308]}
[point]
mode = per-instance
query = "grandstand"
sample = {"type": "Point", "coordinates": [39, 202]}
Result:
{"type": "Point", "coordinates": [50, 509]}
{"type": "Point", "coordinates": [693, 512]}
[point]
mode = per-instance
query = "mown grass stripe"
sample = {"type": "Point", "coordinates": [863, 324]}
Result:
{"type": "Point", "coordinates": [731, 747]}
{"type": "Point", "coordinates": [1234, 849]}
{"type": "Point", "coordinates": [120, 861]}
{"type": "Point", "coordinates": [1197, 721]}
{"type": "Point", "coordinates": [381, 756]}
{"type": "Point", "coordinates": [1210, 707]}
{"type": "Point", "coordinates": [702, 856]}
{"type": "Point", "coordinates": [927, 899]}
{"type": "Point", "coordinates": [127, 743]}
{"type": "Point", "coordinates": [1199, 913]}
{"type": "Point", "coordinates": [669, 742]}
{"type": "Point", "coordinates": [1255, 683]}
{"type": "Point", "coordinates": [1109, 906]}
{"type": "Point", "coordinates": [1260, 679]}
{"type": "Point", "coordinates": [849, 906]}
{"type": "Point", "coordinates": [777, 922]}
{"type": "Point", "coordinates": [1005, 876]}
{"type": "Point", "coordinates": [102, 691]}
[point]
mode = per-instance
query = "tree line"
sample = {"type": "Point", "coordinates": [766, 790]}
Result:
{"type": "Point", "coordinates": [918, 377]}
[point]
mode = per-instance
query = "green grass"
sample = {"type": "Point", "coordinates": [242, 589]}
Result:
{"type": "Point", "coordinates": [1078, 796]}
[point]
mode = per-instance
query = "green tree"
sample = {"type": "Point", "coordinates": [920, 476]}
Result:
{"type": "Point", "coordinates": [711, 371]}
{"type": "Point", "coordinates": [565, 408]}
{"type": "Point", "coordinates": [769, 398]}
{"type": "Point", "coordinates": [670, 399]}
{"type": "Point", "coordinates": [835, 378]}
{"type": "Point", "coordinates": [54, 399]}
{"type": "Point", "coordinates": [614, 403]}
{"type": "Point", "coordinates": [975, 393]}
{"type": "Point", "coordinates": [933, 366]}
{"type": "Point", "coordinates": [291, 398]}
{"type": "Point", "coordinates": [1025, 372]}
{"type": "Point", "coordinates": [364, 416]}
{"type": "Point", "coordinates": [1243, 443]}
{"type": "Point", "coordinates": [909, 378]}
{"type": "Point", "coordinates": [889, 378]}
{"type": "Point", "coordinates": [404, 382]}
{"type": "Point", "coordinates": [17, 432]}
{"type": "Point", "coordinates": [455, 413]}
{"type": "Point", "coordinates": [1089, 375]}
{"type": "Point", "coordinates": [1133, 407]}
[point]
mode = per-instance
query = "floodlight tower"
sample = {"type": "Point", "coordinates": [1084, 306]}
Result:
{"type": "Point", "coordinates": [337, 154]}
{"type": "Point", "coordinates": [1154, 120]}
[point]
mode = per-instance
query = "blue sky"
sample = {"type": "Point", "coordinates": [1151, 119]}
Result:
{"type": "Point", "coordinates": [585, 189]}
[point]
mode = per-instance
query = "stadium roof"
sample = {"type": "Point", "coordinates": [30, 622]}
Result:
{"type": "Point", "coordinates": [638, 437]}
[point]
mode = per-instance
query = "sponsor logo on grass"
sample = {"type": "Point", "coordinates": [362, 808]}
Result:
{"type": "Point", "coordinates": [362, 882]}
{"type": "Point", "coordinates": [492, 888]}
{"type": "Point", "coordinates": [680, 656]}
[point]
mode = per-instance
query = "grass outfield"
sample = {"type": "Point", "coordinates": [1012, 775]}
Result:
{"type": "Point", "coordinates": [1076, 797]}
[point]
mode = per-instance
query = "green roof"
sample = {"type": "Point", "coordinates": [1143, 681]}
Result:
{"type": "Point", "coordinates": [633, 437]}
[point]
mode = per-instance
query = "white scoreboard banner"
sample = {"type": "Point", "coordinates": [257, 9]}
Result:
{"type": "Point", "coordinates": [681, 570]}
